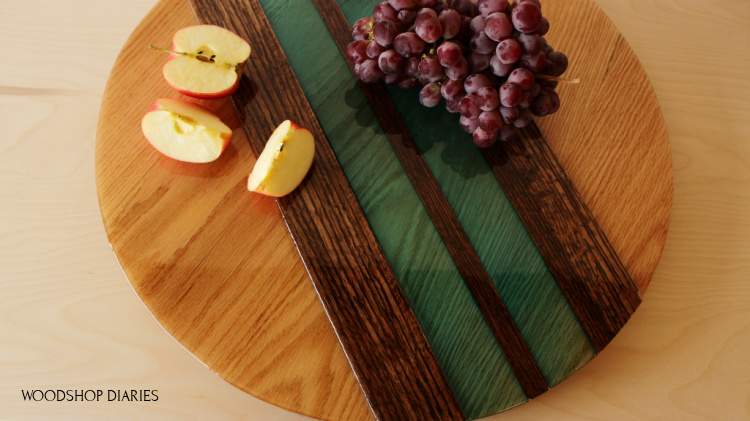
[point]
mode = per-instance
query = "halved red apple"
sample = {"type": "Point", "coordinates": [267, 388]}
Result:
{"type": "Point", "coordinates": [185, 131]}
{"type": "Point", "coordinates": [206, 61]}
{"type": "Point", "coordinates": [284, 162]}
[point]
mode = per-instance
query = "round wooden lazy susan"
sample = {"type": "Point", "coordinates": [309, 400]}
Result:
{"type": "Point", "coordinates": [219, 270]}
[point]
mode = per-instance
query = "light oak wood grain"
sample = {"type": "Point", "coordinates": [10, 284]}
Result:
{"type": "Point", "coordinates": [69, 319]}
{"type": "Point", "coordinates": [271, 337]}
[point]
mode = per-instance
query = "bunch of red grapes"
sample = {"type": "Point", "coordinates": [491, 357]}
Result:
{"type": "Point", "coordinates": [488, 60]}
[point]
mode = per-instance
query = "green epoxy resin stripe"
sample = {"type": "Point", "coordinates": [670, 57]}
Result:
{"type": "Point", "coordinates": [532, 295]}
{"type": "Point", "coordinates": [468, 354]}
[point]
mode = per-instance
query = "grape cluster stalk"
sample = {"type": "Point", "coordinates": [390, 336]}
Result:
{"type": "Point", "coordinates": [488, 60]}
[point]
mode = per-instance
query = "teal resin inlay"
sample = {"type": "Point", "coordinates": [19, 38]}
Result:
{"type": "Point", "coordinates": [530, 292]}
{"type": "Point", "coordinates": [467, 352]}
{"type": "Point", "coordinates": [471, 359]}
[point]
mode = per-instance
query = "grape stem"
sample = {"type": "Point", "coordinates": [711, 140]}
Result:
{"type": "Point", "coordinates": [557, 79]}
{"type": "Point", "coordinates": [199, 57]}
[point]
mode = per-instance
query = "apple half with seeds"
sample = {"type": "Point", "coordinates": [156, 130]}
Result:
{"type": "Point", "coordinates": [206, 61]}
{"type": "Point", "coordinates": [284, 162]}
{"type": "Point", "coordinates": [185, 131]}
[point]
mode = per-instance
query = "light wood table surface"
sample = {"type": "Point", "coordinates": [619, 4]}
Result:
{"type": "Point", "coordinates": [69, 319]}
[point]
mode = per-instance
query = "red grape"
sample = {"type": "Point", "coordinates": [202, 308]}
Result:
{"type": "Point", "coordinates": [384, 11]}
{"type": "Point", "coordinates": [402, 4]}
{"type": "Point", "coordinates": [468, 106]}
{"type": "Point", "coordinates": [468, 124]}
{"type": "Point", "coordinates": [428, 27]}
{"type": "Point", "coordinates": [488, 7]}
{"type": "Point", "coordinates": [521, 77]}
{"type": "Point", "coordinates": [535, 63]}
{"type": "Point", "coordinates": [464, 7]}
{"type": "Point", "coordinates": [430, 96]}
{"type": "Point", "coordinates": [477, 23]}
{"type": "Point", "coordinates": [541, 105]}
{"type": "Point", "coordinates": [452, 106]}
{"type": "Point", "coordinates": [536, 2]}
{"type": "Point", "coordinates": [408, 44]}
{"type": "Point", "coordinates": [430, 67]}
{"type": "Point", "coordinates": [510, 94]}
{"type": "Point", "coordinates": [411, 66]}
{"type": "Point", "coordinates": [390, 62]}
{"type": "Point", "coordinates": [406, 19]}
{"type": "Point", "coordinates": [509, 114]}
{"type": "Point", "coordinates": [487, 98]}
{"type": "Point", "coordinates": [384, 32]}
{"type": "Point", "coordinates": [369, 71]}
{"type": "Point", "coordinates": [393, 78]}
{"type": "Point", "coordinates": [450, 21]}
{"type": "Point", "coordinates": [475, 82]}
{"type": "Point", "coordinates": [508, 51]}
{"type": "Point", "coordinates": [374, 50]}
{"type": "Point", "coordinates": [357, 51]}
{"type": "Point", "coordinates": [554, 99]}
{"type": "Point", "coordinates": [560, 60]}
{"type": "Point", "coordinates": [428, 11]}
{"type": "Point", "coordinates": [409, 83]}
{"type": "Point", "coordinates": [484, 139]}
{"type": "Point", "coordinates": [452, 90]}
{"type": "Point", "coordinates": [427, 3]}
{"type": "Point", "coordinates": [478, 62]}
{"type": "Point", "coordinates": [530, 43]}
{"type": "Point", "coordinates": [498, 26]}
{"type": "Point", "coordinates": [362, 29]}
{"type": "Point", "coordinates": [543, 27]}
{"type": "Point", "coordinates": [458, 71]}
{"type": "Point", "coordinates": [499, 68]}
{"type": "Point", "coordinates": [490, 121]}
{"type": "Point", "coordinates": [526, 16]}
{"type": "Point", "coordinates": [523, 119]}
{"type": "Point", "coordinates": [482, 44]}
{"type": "Point", "coordinates": [448, 53]}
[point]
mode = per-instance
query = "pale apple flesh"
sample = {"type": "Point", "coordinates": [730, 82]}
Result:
{"type": "Point", "coordinates": [284, 162]}
{"type": "Point", "coordinates": [185, 131]}
{"type": "Point", "coordinates": [213, 63]}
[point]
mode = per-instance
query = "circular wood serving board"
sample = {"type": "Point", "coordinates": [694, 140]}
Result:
{"type": "Point", "coordinates": [217, 268]}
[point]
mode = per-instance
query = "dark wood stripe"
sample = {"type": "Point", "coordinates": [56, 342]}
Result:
{"type": "Point", "coordinates": [378, 331]}
{"type": "Point", "coordinates": [577, 252]}
{"type": "Point", "coordinates": [460, 248]}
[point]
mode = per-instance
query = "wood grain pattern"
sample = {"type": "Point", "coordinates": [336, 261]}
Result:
{"type": "Point", "coordinates": [682, 356]}
{"type": "Point", "coordinates": [622, 193]}
{"type": "Point", "coordinates": [579, 255]}
{"type": "Point", "coordinates": [457, 242]}
{"type": "Point", "coordinates": [271, 337]}
{"type": "Point", "coordinates": [532, 295]}
{"type": "Point", "coordinates": [269, 381]}
{"type": "Point", "coordinates": [380, 335]}
{"type": "Point", "coordinates": [470, 357]}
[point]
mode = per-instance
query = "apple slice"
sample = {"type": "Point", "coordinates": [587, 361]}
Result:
{"type": "Point", "coordinates": [284, 162]}
{"type": "Point", "coordinates": [206, 61]}
{"type": "Point", "coordinates": [185, 131]}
